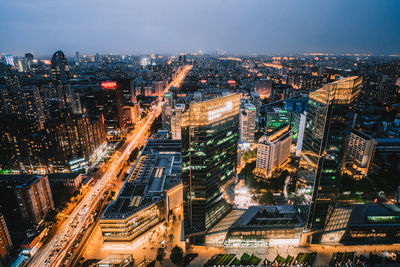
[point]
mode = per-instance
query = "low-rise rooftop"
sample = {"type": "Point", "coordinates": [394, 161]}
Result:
{"type": "Point", "coordinates": [270, 217]}
{"type": "Point", "coordinates": [157, 169]}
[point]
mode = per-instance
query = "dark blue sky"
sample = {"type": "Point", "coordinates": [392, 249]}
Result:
{"type": "Point", "coordinates": [169, 26]}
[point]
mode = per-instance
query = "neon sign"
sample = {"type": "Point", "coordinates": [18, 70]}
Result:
{"type": "Point", "coordinates": [109, 85]}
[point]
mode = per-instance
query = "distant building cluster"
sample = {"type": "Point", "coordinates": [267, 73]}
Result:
{"type": "Point", "coordinates": [313, 140]}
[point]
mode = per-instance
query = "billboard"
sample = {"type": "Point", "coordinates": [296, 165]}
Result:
{"type": "Point", "coordinates": [10, 60]}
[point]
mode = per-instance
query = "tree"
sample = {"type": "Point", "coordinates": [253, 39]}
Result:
{"type": "Point", "coordinates": [156, 125]}
{"type": "Point", "coordinates": [176, 255]}
{"type": "Point", "coordinates": [250, 154]}
{"type": "Point", "coordinates": [267, 198]}
{"type": "Point", "coordinates": [160, 255]}
{"type": "Point", "coordinates": [133, 155]}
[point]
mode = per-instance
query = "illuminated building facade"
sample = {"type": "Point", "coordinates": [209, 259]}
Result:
{"type": "Point", "coordinates": [5, 239]}
{"type": "Point", "coordinates": [273, 150]}
{"type": "Point", "coordinates": [112, 108]}
{"type": "Point", "coordinates": [276, 117]}
{"type": "Point", "coordinates": [76, 137]}
{"type": "Point", "coordinates": [360, 152]}
{"type": "Point", "coordinates": [326, 127]}
{"type": "Point", "coordinates": [176, 121]}
{"type": "Point", "coordinates": [131, 113]}
{"type": "Point", "coordinates": [209, 133]}
{"type": "Point", "coordinates": [263, 87]}
{"type": "Point", "coordinates": [363, 224]}
{"type": "Point", "coordinates": [258, 226]}
{"type": "Point", "coordinates": [247, 121]}
{"type": "Point", "coordinates": [265, 226]}
{"type": "Point", "coordinates": [32, 105]}
{"type": "Point", "coordinates": [167, 111]}
{"type": "Point", "coordinates": [51, 149]}
{"type": "Point", "coordinates": [152, 190]}
{"type": "Point", "coordinates": [30, 195]}
{"type": "Point", "coordinates": [65, 181]}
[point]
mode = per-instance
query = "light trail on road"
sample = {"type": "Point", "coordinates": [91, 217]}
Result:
{"type": "Point", "coordinates": [177, 82]}
{"type": "Point", "coordinates": [53, 252]}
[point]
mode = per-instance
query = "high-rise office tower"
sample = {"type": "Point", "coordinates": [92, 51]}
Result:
{"type": "Point", "coordinates": [327, 123]}
{"type": "Point", "coordinates": [256, 101]}
{"type": "Point", "coordinates": [299, 124]}
{"type": "Point", "coordinates": [273, 150]}
{"type": "Point", "coordinates": [112, 108]}
{"type": "Point", "coordinates": [167, 111]}
{"type": "Point", "coordinates": [177, 120]}
{"type": "Point", "coordinates": [77, 58]}
{"type": "Point", "coordinates": [61, 75]}
{"type": "Point", "coordinates": [247, 121]}
{"type": "Point", "coordinates": [209, 132]}
{"type": "Point", "coordinates": [29, 60]}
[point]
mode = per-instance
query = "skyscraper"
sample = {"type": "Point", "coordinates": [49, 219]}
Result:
{"type": "Point", "coordinates": [247, 120]}
{"type": "Point", "coordinates": [167, 111]}
{"type": "Point", "coordinates": [29, 60]}
{"type": "Point", "coordinates": [113, 103]}
{"type": "Point", "coordinates": [77, 58]}
{"type": "Point", "coordinates": [61, 76]}
{"type": "Point", "coordinates": [328, 121]}
{"type": "Point", "coordinates": [209, 131]}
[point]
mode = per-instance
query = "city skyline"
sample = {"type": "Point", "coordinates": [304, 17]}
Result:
{"type": "Point", "coordinates": [261, 27]}
{"type": "Point", "coordinates": [186, 133]}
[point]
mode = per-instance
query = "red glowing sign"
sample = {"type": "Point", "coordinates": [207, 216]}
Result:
{"type": "Point", "coordinates": [108, 85]}
{"type": "Point", "coordinates": [203, 81]}
{"type": "Point", "coordinates": [231, 82]}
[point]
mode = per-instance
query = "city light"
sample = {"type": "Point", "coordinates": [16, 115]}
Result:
{"type": "Point", "coordinates": [201, 140]}
{"type": "Point", "coordinates": [109, 85]}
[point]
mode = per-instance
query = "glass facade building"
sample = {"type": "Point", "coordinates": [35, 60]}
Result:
{"type": "Point", "coordinates": [209, 131]}
{"type": "Point", "coordinates": [327, 124]}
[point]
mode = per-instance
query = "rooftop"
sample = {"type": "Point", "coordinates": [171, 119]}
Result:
{"type": "Point", "coordinates": [227, 221]}
{"type": "Point", "coordinates": [20, 180]}
{"type": "Point", "coordinates": [157, 169]}
{"type": "Point", "coordinates": [72, 175]}
{"type": "Point", "coordinates": [374, 215]}
{"type": "Point", "coordinates": [285, 216]}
